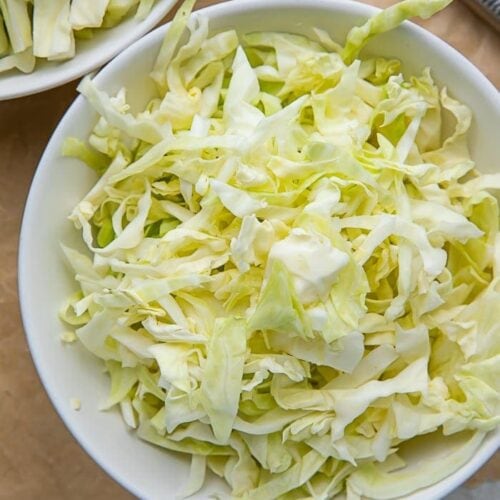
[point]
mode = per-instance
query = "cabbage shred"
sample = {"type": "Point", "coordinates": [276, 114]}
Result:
{"type": "Point", "coordinates": [293, 270]}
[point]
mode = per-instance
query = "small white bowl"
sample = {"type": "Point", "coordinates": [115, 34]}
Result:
{"type": "Point", "coordinates": [90, 55]}
{"type": "Point", "coordinates": [45, 282]}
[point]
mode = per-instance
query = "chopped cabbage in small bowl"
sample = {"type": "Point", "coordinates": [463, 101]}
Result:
{"type": "Point", "coordinates": [31, 29]}
{"type": "Point", "coordinates": [47, 43]}
{"type": "Point", "coordinates": [293, 269]}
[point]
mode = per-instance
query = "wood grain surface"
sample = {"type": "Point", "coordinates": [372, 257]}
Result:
{"type": "Point", "coordinates": [38, 457]}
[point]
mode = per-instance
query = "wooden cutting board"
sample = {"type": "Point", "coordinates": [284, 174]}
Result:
{"type": "Point", "coordinates": [38, 457]}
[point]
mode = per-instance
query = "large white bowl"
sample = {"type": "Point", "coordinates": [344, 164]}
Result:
{"type": "Point", "coordinates": [90, 55]}
{"type": "Point", "coordinates": [44, 281]}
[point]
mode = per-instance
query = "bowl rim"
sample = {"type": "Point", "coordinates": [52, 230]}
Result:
{"type": "Point", "coordinates": [29, 216]}
{"type": "Point", "coordinates": [110, 46]}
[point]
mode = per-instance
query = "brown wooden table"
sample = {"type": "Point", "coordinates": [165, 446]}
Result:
{"type": "Point", "coordinates": [38, 457]}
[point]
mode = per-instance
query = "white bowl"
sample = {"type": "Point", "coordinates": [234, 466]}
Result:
{"type": "Point", "coordinates": [90, 55]}
{"type": "Point", "coordinates": [44, 281]}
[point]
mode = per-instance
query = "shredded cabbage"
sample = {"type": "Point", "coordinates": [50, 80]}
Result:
{"type": "Point", "coordinates": [47, 29]}
{"type": "Point", "coordinates": [292, 270]}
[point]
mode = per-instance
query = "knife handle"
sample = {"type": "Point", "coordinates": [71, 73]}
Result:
{"type": "Point", "coordinates": [489, 10]}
